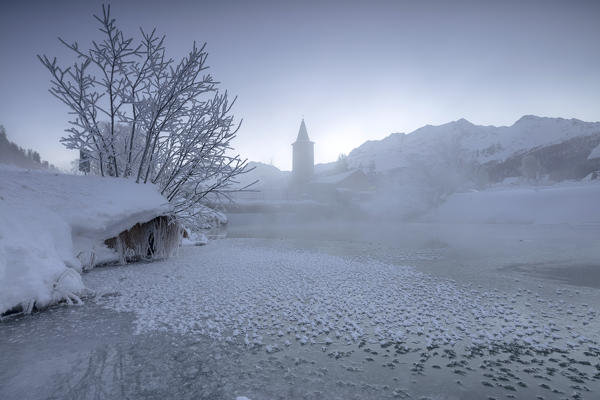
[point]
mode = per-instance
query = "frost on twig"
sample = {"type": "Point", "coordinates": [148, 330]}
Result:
{"type": "Point", "coordinates": [138, 114]}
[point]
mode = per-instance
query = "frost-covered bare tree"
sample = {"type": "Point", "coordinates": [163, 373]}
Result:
{"type": "Point", "coordinates": [141, 115]}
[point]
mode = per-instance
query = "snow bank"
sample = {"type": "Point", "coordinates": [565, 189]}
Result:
{"type": "Point", "coordinates": [48, 219]}
{"type": "Point", "coordinates": [574, 203]}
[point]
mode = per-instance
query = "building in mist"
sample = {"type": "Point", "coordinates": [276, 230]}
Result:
{"type": "Point", "coordinates": [303, 162]}
{"type": "Point", "coordinates": [340, 187]}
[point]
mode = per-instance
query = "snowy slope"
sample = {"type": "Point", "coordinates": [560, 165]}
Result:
{"type": "Point", "coordinates": [572, 203]}
{"type": "Point", "coordinates": [47, 219]}
{"type": "Point", "coordinates": [595, 153]}
{"type": "Point", "coordinates": [468, 141]}
{"type": "Point", "coordinates": [267, 176]}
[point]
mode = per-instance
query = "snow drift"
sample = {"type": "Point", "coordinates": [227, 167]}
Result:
{"type": "Point", "coordinates": [50, 222]}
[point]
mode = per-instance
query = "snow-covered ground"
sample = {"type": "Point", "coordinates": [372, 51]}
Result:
{"type": "Point", "coordinates": [262, 295]}
{"type": "Point", "coordinates": [50, 223]}
{"type": "Point", "coordinates": [315, 317]}
{"type": "Point", "coordinates": [300, 308]}
{"type": "Point", "coordinates": [567, 202]}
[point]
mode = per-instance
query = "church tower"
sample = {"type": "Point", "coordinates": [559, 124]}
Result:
{"type": "Point", "coordinates": [304, 157]}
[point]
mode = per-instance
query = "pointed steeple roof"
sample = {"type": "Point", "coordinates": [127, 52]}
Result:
{"type": "Point", "coordinates": [302, 133]}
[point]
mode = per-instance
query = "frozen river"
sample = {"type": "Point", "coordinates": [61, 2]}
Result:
{"type": "Point", "coordinates": [283, 309]}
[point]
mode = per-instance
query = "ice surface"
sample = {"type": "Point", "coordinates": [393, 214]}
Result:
{"type": "Point", "coordinates": [265, 296]}
{"type": "Point", "coordinates": [356, 325]}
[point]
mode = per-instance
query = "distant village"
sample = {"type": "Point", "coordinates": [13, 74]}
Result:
{"type": "Point", "coordinates": [332, 183]}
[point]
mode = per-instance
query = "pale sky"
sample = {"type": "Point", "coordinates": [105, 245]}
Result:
{"type": "Point", "coordinates": [355, 70]}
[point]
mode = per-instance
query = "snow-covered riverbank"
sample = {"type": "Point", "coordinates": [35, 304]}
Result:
{"type": "Point", "coordinates": [345, 319]}
{"type": "Point", "coordinates": [54, 225]}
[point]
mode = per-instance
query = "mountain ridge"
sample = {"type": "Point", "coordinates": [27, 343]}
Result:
{"type": "Point", "coordinates": [476, 143]}
{"type": "Point", "coordinates": [462, 145]}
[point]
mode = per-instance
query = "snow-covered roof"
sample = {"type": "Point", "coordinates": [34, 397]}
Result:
{"type": "Point", "coordinates": [89, 204]}
{"type": "Point", "coordinates": [302, 133]}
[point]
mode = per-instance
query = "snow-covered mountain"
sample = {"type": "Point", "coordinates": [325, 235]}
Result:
{"type": "Point", "coordinates": [468, 143]}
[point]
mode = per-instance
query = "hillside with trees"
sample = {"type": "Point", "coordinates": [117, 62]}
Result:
{"type": "Point", "coordinates": [13, 154]}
